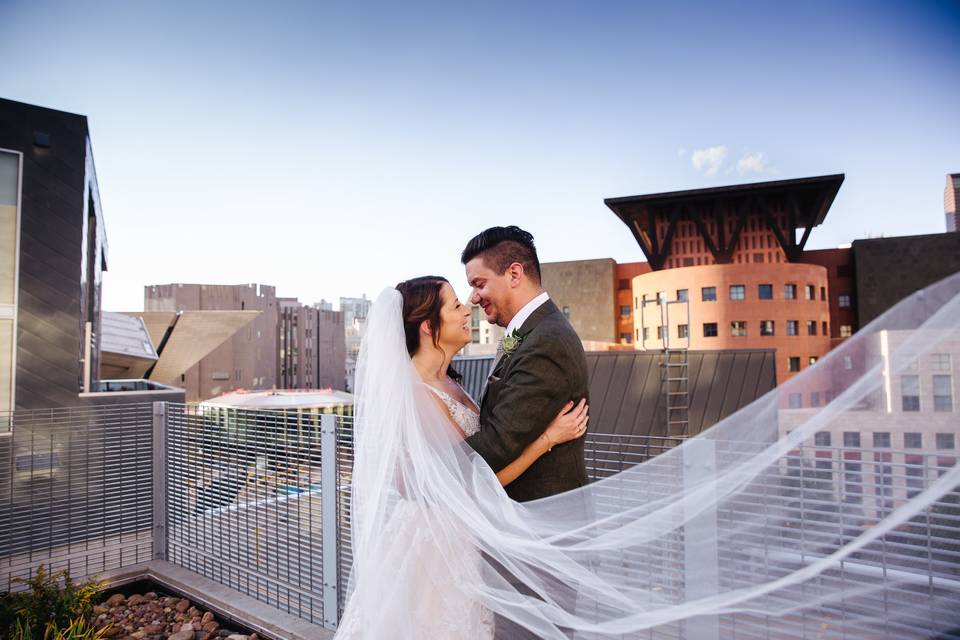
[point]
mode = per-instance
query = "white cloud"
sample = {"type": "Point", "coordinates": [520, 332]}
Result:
{"type": "Point", "coordinates": [709, 160]}
{"type": "Point", "coordinates": [753, 162]}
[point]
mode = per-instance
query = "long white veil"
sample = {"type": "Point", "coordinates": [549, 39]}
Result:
{"type": "Point", "coordinates": [761, 526]}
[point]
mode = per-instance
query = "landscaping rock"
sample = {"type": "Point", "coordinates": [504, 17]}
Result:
{"type": "Point", "coordinates": [115, 599]}
{"type": "Point", "coordinates": [183, 605]}
{"type": "Point", "coordinates": [134, 600]}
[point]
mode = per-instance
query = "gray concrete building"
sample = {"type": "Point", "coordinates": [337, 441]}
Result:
{"type": "Point", "coordinates": [249, 359]}
{"type": "Point", "coordinates": [585, 290]}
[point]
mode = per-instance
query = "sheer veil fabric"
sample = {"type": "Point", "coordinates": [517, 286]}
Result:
{"type": "Point", "coordinates": [699, 535]}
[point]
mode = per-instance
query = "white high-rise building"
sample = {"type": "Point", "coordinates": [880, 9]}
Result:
{"type": "Point", "coordinates": [355, 312]}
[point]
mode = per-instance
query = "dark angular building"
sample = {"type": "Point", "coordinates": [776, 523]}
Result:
{"type": "Point", "coordinates": [54, 254]}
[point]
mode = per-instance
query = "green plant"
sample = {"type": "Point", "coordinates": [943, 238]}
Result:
{"type": "Point", "coordinates": [79, 629]}
{"type": "Point", "coordinates": [29, 614]}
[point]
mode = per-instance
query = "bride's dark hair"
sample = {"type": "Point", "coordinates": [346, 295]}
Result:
{"type": "Point", "coordinates": [422, 301]}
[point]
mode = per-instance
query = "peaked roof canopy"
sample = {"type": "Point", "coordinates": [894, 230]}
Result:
{"type": "Point", "coordinates": [804, 203]}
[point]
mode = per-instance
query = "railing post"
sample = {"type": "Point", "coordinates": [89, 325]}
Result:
{"type": "Point", "coordinates": [701, 557]}
{"type": "Point", "coordinates": [328, 518]}
{"type": "Point", "coordinates": [160, 480]}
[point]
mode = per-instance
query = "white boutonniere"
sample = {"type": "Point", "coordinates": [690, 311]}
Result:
{"type": "Point", "coordinates": [511, 342]}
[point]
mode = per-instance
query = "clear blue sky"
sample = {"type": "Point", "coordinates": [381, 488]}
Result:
{"type": "Point", "coordinates": [333, 150]}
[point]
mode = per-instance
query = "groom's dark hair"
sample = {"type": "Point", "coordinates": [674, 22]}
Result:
{"type": "Point", "coordinates": [502, 246]}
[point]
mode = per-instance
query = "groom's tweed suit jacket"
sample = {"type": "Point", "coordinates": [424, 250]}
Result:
{"type": "Point", "coordinates": [526, 390]}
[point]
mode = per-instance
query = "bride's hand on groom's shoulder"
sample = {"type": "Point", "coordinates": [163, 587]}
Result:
{"type": "Point", "coordinates": [570, 424]}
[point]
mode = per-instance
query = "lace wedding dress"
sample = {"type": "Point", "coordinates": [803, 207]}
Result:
{"type": "Point", "coordinates": [439, 606]}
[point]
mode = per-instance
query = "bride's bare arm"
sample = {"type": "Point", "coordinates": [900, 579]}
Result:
{"type": "Point", "coordinates": [570, 423]}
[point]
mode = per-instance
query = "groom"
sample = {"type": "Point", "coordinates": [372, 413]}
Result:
{"type": "Point", "coordinates": [539, 367]}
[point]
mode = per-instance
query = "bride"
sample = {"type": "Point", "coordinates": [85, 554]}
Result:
{"type": "Point", "coordinates": [735, 532]}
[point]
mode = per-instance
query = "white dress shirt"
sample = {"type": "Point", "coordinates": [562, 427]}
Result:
{"type": "Point", "coordinates": [526, 311]}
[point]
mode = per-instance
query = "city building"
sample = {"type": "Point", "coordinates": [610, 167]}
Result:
{"type": "Point", "coordinates": [914, 414]}
{"type": "Point", "coordinates": [53, 252]}
{"type": "Point", "coordinates": [180, 338]}
{"type": "Point", "coordinates": [890, 269]}
{"type": "Point", "coordinates": [706, 289]}
{"type": "Point", "coordinates": [951, 202]}
{"type": "Point", "coordinates": [312, 346]}
{"type": "Point", "coordinates": [355, 311]}
{"type": "Point", "coordinates": [247, 360]}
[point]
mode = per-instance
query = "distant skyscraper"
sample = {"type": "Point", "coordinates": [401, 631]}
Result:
{"type": "Point", "coordinates": [355, 311]}
{"type": "Point", "coordinates": [951, 202]}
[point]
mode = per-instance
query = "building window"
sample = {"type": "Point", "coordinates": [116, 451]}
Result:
{"type": "Point", "coordinates": [942, 393]}
{"type": "Point", "coordinates": [765, 291]}
{"type": "Point", "coordinates": [738, 328]}
{"type": "Point", "coordinates": [795, 401]}
{"type": "Point", "coordinates": [910, 392]}
{"type": "Point", "coordinates": [661, 297]}
{"type": "Point", "coordinates": [624, 284]}
{"type": "Point", "coordinates": [646, 333]}
{"type": "Point", "coordinates": [625, 310]}
{"type": "Point", "coordinates": [637, 332]}
{"type": "Point", "coordinates": [738, 292]}
{"type": "Point", "coordinates": [814, 398]}
{"type": "Point", "coordinates": [683, 331]}
{"type": "Point", "coordinates": [708, 294]}
{"type": "Point", "coordinates": [881, 440]}
{"type": "Point", "coordinates": [662, 333]}
{"type": "Point", "coordinates": [843, 301]}
{"type": "Point", "coordinates": [766, 327]}
{"type": "Point", "coordinates": [682, 295]}
{"type": "Point", "coordinates": [851, 439]}
{"type": "Point", "coordinates": [812, 360]}
{"type": "Point", "coordinates": [709, 329]}
{"type": "Point", "coordinates": [823, 294]}
{"type": "Point", "coordinates": [945, 441]}
{"type": "Point", "coordinates": [823, 328]}
{"type": "Point", "coordinates": [811, 292]}
{"type": "Point", "coordinates": [9, 232]}
{"type": "Point", "coordinates": [811, 327]}
{"type": "Point", "coordinates": [913, 440]}
{"type": "Point", "coordinates": [793, 363]}
{"type": "Point", "coordinates": [940, 362]}
{"type": "Point", "coordinates": [792, 327]}
{"type": "Point", "coordinates": [915, 472]}
{"type": "Point", "coordinates": [626, 338]}
{"type": "Point", "coordinates": [789, 292]}
{"type": "Point", "coordinates": [846, 331]}
{"type": "Point", "coordinates": [821, 438]}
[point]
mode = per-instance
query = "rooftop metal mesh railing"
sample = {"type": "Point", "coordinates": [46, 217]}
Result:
{"type": "Point", "coordinates": [76, 490]}
{"type": "Point", "coordinates": [239, 497]}
{"type": "Point", "coordinates": [244, 502]}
